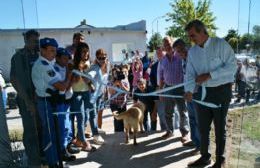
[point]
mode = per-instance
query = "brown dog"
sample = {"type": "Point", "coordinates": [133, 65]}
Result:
{"type": "Point", "coordinates": [133, 119]}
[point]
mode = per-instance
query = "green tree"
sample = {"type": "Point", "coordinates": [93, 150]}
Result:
{"type": "Point", "coordinates": [231, 34]}
{"type": "Point", "coordinates": [184, 11]}
{"type": "Point", "coordinates": [232, 38]}
{"type": "Point", "coordinates": [246, 41]}
{"type": "Point", "coordinates": [233, 41]}
{"type": "Point", "coordinates": [256, 42]}
{"type": "Point", "coordinates": [256, 30]}
{"type": "Point", "coordinates": [155, 41]}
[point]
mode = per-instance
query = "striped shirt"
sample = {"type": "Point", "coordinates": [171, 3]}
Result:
{"type": "Point", "coordinates": [171, 71]}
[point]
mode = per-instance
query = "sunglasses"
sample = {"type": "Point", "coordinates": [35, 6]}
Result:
{"type": "Point", "coordinates": [102, 58]}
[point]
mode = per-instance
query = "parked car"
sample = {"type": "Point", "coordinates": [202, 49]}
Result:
{"type": "Point", "coordinates": [242, 57]}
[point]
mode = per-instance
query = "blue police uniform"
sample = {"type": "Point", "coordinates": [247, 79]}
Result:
{"type": "Point", "coordinates": [63, 106]}
{"type": "Point", "coordinates": [44, 76]}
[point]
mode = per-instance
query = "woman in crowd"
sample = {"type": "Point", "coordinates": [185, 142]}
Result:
{"type": "Point", "coordinates": [118, 104]}
{"type": "Point", "coordinates": [95, 71]}
{"type": "Point", "coordinates": [80, 101]}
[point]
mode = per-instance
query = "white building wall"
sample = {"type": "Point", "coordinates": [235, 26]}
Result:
{"type": "Point", "coordinates": [11, 40]}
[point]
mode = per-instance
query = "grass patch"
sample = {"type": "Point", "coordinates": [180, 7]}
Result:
{"type": "Point", "coordinates": [251, 123]}
{"type": "Point", "coordinates": [245, 143]}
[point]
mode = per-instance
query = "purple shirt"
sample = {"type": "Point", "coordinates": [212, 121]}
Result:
{"type": "Point", "coordinates": [171, 70]}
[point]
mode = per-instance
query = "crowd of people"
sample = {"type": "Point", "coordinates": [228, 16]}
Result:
{"type": "Point", "coordinates": [247, 80]}
{"type": "Point", "coordinates": [57, 85]}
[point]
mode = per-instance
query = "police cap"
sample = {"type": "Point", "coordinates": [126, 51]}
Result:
{"type": "Point", "coordinates": [62, 51]}
{"type": "Point", "coordinates": [48, 42]}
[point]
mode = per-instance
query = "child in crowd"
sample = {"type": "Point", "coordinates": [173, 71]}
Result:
{"type": "Point", "coordinates": [149, 102]}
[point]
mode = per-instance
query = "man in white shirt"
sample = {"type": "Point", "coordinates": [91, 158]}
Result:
{"type": "Point", "coordinates": [211, 63]}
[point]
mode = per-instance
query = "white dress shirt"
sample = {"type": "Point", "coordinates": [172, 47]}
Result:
{"type": "Point", "coordinates": [216, 58]}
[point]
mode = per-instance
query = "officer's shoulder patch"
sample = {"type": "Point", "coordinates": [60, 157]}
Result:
{"type": "Point", "coordinates": [44, 62]}
{"type": "Point", "coordinates": [51, 73]}
{"type": "Point", "coordinates": [56, 68]}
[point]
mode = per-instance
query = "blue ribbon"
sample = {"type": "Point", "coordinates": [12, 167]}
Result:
{"type": "Point", "coordinates": [155, 93]}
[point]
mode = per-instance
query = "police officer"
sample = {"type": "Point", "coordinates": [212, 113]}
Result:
{"type": "Point", "coordinates": [63, 105]}
{"type": "Point", "coordinates": [44, 77]}
{"type": "Point", "coordinates": [20, 76]}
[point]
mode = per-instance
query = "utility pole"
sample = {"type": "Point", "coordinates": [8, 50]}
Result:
{"type": "Point", "coordinates": [36, 10]}
{"type": "Point", "coordinates": [249, 13]}
{"type": "Point", "coordinates": [158, 17]}
{"type": "Point", "coordinates": [23, 14]}
{"type": "Point", "coordinates": [238, 18]}
{"type": "Point", "coordinates": [248, 27]}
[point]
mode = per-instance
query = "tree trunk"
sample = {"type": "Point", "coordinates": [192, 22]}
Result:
{"type": "Point", "coordinates": [5, 148]}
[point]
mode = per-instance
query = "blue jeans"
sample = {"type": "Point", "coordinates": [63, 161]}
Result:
{"type": "Point", "coordinates": [161, 114]}
{"type": "Point", "coordinates": [170, 112]}
{"type": "Point", "coordinates": [78, 107]}
{"type": "Point", "coordinates": [48, 130]}
{"type": "Point", "coordinates": [194, 125]}
{"type": "Point", "coordinates": [80, 103]}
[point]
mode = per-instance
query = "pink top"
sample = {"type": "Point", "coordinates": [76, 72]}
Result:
{"type": "Point", "coordinates": [137, 73]}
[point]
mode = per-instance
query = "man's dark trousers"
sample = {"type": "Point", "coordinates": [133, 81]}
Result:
{"type": "Point", "coordinates": [220, 95]}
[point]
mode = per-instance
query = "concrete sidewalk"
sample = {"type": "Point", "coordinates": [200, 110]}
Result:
{"type": "Point", "coordinates": [151, 152]}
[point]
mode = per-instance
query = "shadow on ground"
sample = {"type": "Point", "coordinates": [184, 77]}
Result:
{"type": "Point", "coordinates": [152, 152]}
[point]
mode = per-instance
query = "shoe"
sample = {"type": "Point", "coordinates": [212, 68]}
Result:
{"type": "Point", "coordinates": [73, 149]}
{"type": "Point", "coordinates": [184, 138]}
{"type": "Point", "coordinates": [200, 162]}
{"type": "Point", "coordinates": [87, 147]}
{"type": "Point", "coordinates": [218, 165]}
{"type": "Point", "coordinates": [67, 157]}
{"type": "Point", "coordinates": [167, 135]}
{"type": "Point", "coordinates": [97, 139]}
{"type": "Point", "coordinates": [87, 135]}
{"type": "Point", "coordinates": [77, 143]}
{"type": "Point", "coordinates": [189, 144]}
{"type": "Point", "coordinates": [101, 131]}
